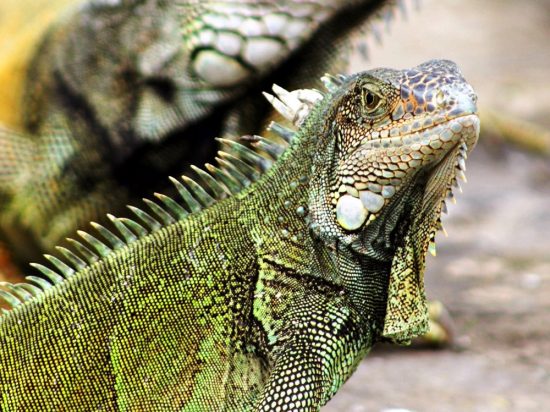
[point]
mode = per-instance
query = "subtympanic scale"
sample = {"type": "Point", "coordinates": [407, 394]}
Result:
{"type": "Point", "coordinates": [352, 212]}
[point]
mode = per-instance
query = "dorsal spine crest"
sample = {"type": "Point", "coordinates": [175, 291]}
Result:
{"type": "Point", "coordinates": [238, 167]}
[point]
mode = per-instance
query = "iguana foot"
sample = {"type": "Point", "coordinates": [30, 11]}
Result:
{"type": "Point", "coordinates": [442, 332]}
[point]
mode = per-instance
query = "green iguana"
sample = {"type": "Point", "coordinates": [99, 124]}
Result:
{"type": "Point", "coordinates": [256, 296]}
{"type": "Point", "coordinates": [112, 96]}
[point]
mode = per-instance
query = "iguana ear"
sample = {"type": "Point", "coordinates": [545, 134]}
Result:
{"type": "Point", "coordinates": [161, 102]}
{"type": "Point", "coordinates": [407, 309]}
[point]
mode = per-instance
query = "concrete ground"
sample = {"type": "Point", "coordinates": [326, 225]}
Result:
{"type": "Point", "coordinates": [493, 271]}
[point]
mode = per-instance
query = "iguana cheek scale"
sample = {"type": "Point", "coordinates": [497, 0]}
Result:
{"type": "Point", "coordinates": [248, 296]}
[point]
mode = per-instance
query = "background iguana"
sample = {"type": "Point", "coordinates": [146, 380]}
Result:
{"type": "Point", "coordinates": [268, 299]}
{"type": "Point", "coordinates": [105, 99]}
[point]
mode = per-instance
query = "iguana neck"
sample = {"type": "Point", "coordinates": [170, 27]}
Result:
{"type": "Point", "coordinates": [282, 227]}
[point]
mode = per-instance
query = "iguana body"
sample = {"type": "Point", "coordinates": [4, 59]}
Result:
{"type": "Point", "coordinates": [111, 97]}
{"type": "Point", "coordinates": [266, 300]}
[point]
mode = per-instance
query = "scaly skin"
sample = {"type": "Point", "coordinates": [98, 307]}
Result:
{"type": "Point", "coordinates": [266, 300]}
{"type": "Point", "coordinates": [119, 95]}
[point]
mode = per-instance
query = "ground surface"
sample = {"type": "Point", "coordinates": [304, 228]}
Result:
{"type": "Point", "coordinates": [493, 272]}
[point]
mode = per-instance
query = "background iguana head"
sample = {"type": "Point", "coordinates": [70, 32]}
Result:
{"type": "Point", "coordinates": [233, 50]}
{"type": "Point", "coordinates": [232, 41]}
{"type": "Point", "coordinates": [110, 97]}
{"type": "Point", "coordinates": [392, 149]}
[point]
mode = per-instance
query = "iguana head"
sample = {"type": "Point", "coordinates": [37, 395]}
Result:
{"type": "Point", "coordinates": [391, 151]}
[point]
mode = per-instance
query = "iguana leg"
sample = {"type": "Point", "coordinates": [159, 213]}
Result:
{"type": "Point", "coordinates": [442, 331]}
{"type": "Point", "coordinates": [323, 345]}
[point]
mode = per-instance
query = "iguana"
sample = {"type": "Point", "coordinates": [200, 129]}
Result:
{"type": "Point", "coordinates": [104, 99]}
{"type": "Point", "coordinates": [267, 295]}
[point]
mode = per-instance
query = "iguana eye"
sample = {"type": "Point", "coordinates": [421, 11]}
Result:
{"type": "Point", "coordinates": [371, 101]}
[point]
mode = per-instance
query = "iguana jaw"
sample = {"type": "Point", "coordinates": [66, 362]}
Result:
{"type": "Point", "coordinates": [230, 42]}
{"type": "Point", "coordinates": [387, 165]}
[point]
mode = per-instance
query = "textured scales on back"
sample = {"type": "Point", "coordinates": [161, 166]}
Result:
{"type": "Point", "coordinates": [267, 299]}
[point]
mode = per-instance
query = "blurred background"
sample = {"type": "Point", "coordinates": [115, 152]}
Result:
{"type": "Point", "coordinates": [493, 271]}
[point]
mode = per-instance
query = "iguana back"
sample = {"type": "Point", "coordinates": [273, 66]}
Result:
{"type": "Point", "coordinates": [169, 320]}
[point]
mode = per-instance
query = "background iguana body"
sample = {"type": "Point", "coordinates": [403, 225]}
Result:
{"type": "Point", "coordinates": [109, 98]}
{"type": "Point", "coordinates": [268, 299]}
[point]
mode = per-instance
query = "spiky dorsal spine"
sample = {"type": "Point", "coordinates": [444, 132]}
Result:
{"type": "Point", "coordinates": [237, 168]}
